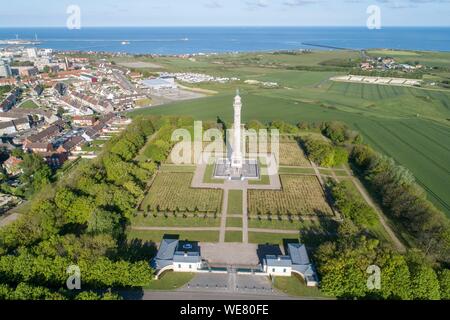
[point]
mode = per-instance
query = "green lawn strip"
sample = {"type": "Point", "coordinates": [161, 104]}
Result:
{"type": "Point", "coordinates": [234, 222]}
{"type": "Point", "coordinates": [29, 104]}
{"type": "Point", "coordinates": [327, 172]}
{"type": "Point", "coordinates": [170, 281]}
{"type": "Point", "coordinates": [270, 238]}
{"type": "Point", "coordinates": [295, 286]}
{"type": "Point", "coordinates": [234, 202]}
{"type": "Point", "coordinates": [161, 221]}
{"type": "Point", "coordinates": [233, 236]}
{"type": "Point", "coordinates": [156, 236]}
{"type": "Point", "coordinates": [175, 168]}
{"type": "Point", "coordinates": [282, 224]}
{"type": "Point", "coordinates": [208, 177]}
{"type": "Point", "coordinates": [294, 170]}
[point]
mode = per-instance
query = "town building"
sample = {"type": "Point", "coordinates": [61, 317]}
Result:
{"type": "Point", "coordinates": [12, 166]}
{"type": "Point", "coordinates": [297, 262]}
{"type": "Point", "coordinates": [178, 256]}
{"type": "Point", "coordinates": [160, 83]}
{"type": "Point", "coordinates": [83, 121]}
{"type": "Point", "coordinates": [39, 147]}
{"type": "Point", "coordinates": [7, 127]}
{"type": "Point", "coordinates": [5, 69]}
{"type": "Point", "coordinates": [183, 256]}
{"type": "Point", "coordinates": [69, 145]}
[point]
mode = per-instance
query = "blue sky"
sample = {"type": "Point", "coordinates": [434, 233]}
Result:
{"type": "Point", "coordinates": [225, 12]}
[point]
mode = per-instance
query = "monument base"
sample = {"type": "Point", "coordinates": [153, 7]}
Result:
{"type": "Point", "coordinates": [224, 170]}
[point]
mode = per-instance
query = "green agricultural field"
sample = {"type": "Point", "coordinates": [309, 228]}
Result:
{"type": "Point", "coordinates": [171, 192]}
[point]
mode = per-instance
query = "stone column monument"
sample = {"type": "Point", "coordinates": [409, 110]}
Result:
{"type": "Point", "coordinates": [236, 156]}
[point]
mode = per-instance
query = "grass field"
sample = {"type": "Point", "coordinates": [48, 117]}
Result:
{"type": "Point", "coordinates": [171, 192]}
{"type": "Point", "coordinates": [300, 195]}
{"type": "Point", "coordinates": [269, 238]}
{"type": "Point", "coordinates": [170, 281]}
{"type": "Point", "coordinates": [234, 202]}
{"type": "Point", "coordinates": [282, 224]}
{"type": "Point", "coordinates": [234, 222]}
{"type": "Point", "coordinates": [295, 286]}
{"type": "Point", "coordinates": [29, 104]}
{"type": "Point", "coordinates": [156, 236]}
{"type": "Point", "coordinates": [161, 221]}
{"type": "Point", "coordinates": [233, 236]}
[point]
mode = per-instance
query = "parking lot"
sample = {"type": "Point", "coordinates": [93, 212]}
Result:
{"type": "Point", "coordinates": [230, 282]}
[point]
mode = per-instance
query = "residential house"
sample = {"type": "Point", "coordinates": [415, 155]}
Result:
{"type": "Point", "coordinates": [70, 144]}
{"type": "Point", "coordinates": [7, 127]}
{"type": "Point", "coordinates": [179, 256]}
{"type": "Point", "coordinates": [22, 124]}
{"type": "Point", "coordinates": [39, 147]}
{"type": "Point", "coordinates": [12, 166]}
{"type": "Point", "coordinates": [83, 120]}
{"type": "Point", "coordinates": [46, 134]}
{"type": "Point", "coordinates": [54, 159]}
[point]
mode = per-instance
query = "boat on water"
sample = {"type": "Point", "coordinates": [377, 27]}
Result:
{"type": "Point", "coordinates": [125, 43]}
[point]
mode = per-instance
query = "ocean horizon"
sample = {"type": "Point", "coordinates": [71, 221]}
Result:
{"type": "Point", "coordinates": [188, 40]}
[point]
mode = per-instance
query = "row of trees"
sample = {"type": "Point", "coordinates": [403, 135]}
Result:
{"type": "Point", "coordinates": [352, 207]}
{"type": "Point", "coordinates": [405, 202]}
{"type": "Point", "coordinates": [345, 262]}
{"type": "Point", "coordinates": [324, 153]}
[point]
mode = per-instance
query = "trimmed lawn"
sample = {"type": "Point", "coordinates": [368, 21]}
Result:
{"type": "Point", "coordinates": [235, 202]}
{"type": "Point", "coordinates": [170, 281]}
{"type": "Point", "coordinates": [29, 104]}
{"type": "Point", "coordinates": [234, 222]}
{"type": "Point", "coordinates": [208, 177]}
{"type": "Point", "coordinates": [294, 170]}
{"type": "Point", "coordinates": [177, 169]}
{"type": "Point", "coordinates": [282, 225]}
{"type": "Point", "coordinates": [156, 236]}
{"type": "Point", "coordinates": [270, 238]}
{"type": "Point", "coordinates": [265, 180]}
{"type": "Point", "coordinates": [161, 221]}
{"type": "Point", "coordinates": [295, 286]}
{"type": "Point", "coordinates": [233, 236]}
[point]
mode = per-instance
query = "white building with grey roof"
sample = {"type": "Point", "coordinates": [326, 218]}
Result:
{"type": "Point", "coordinates": [177, 256]}
{"type": "Point", "coordinates": [297, 262]}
